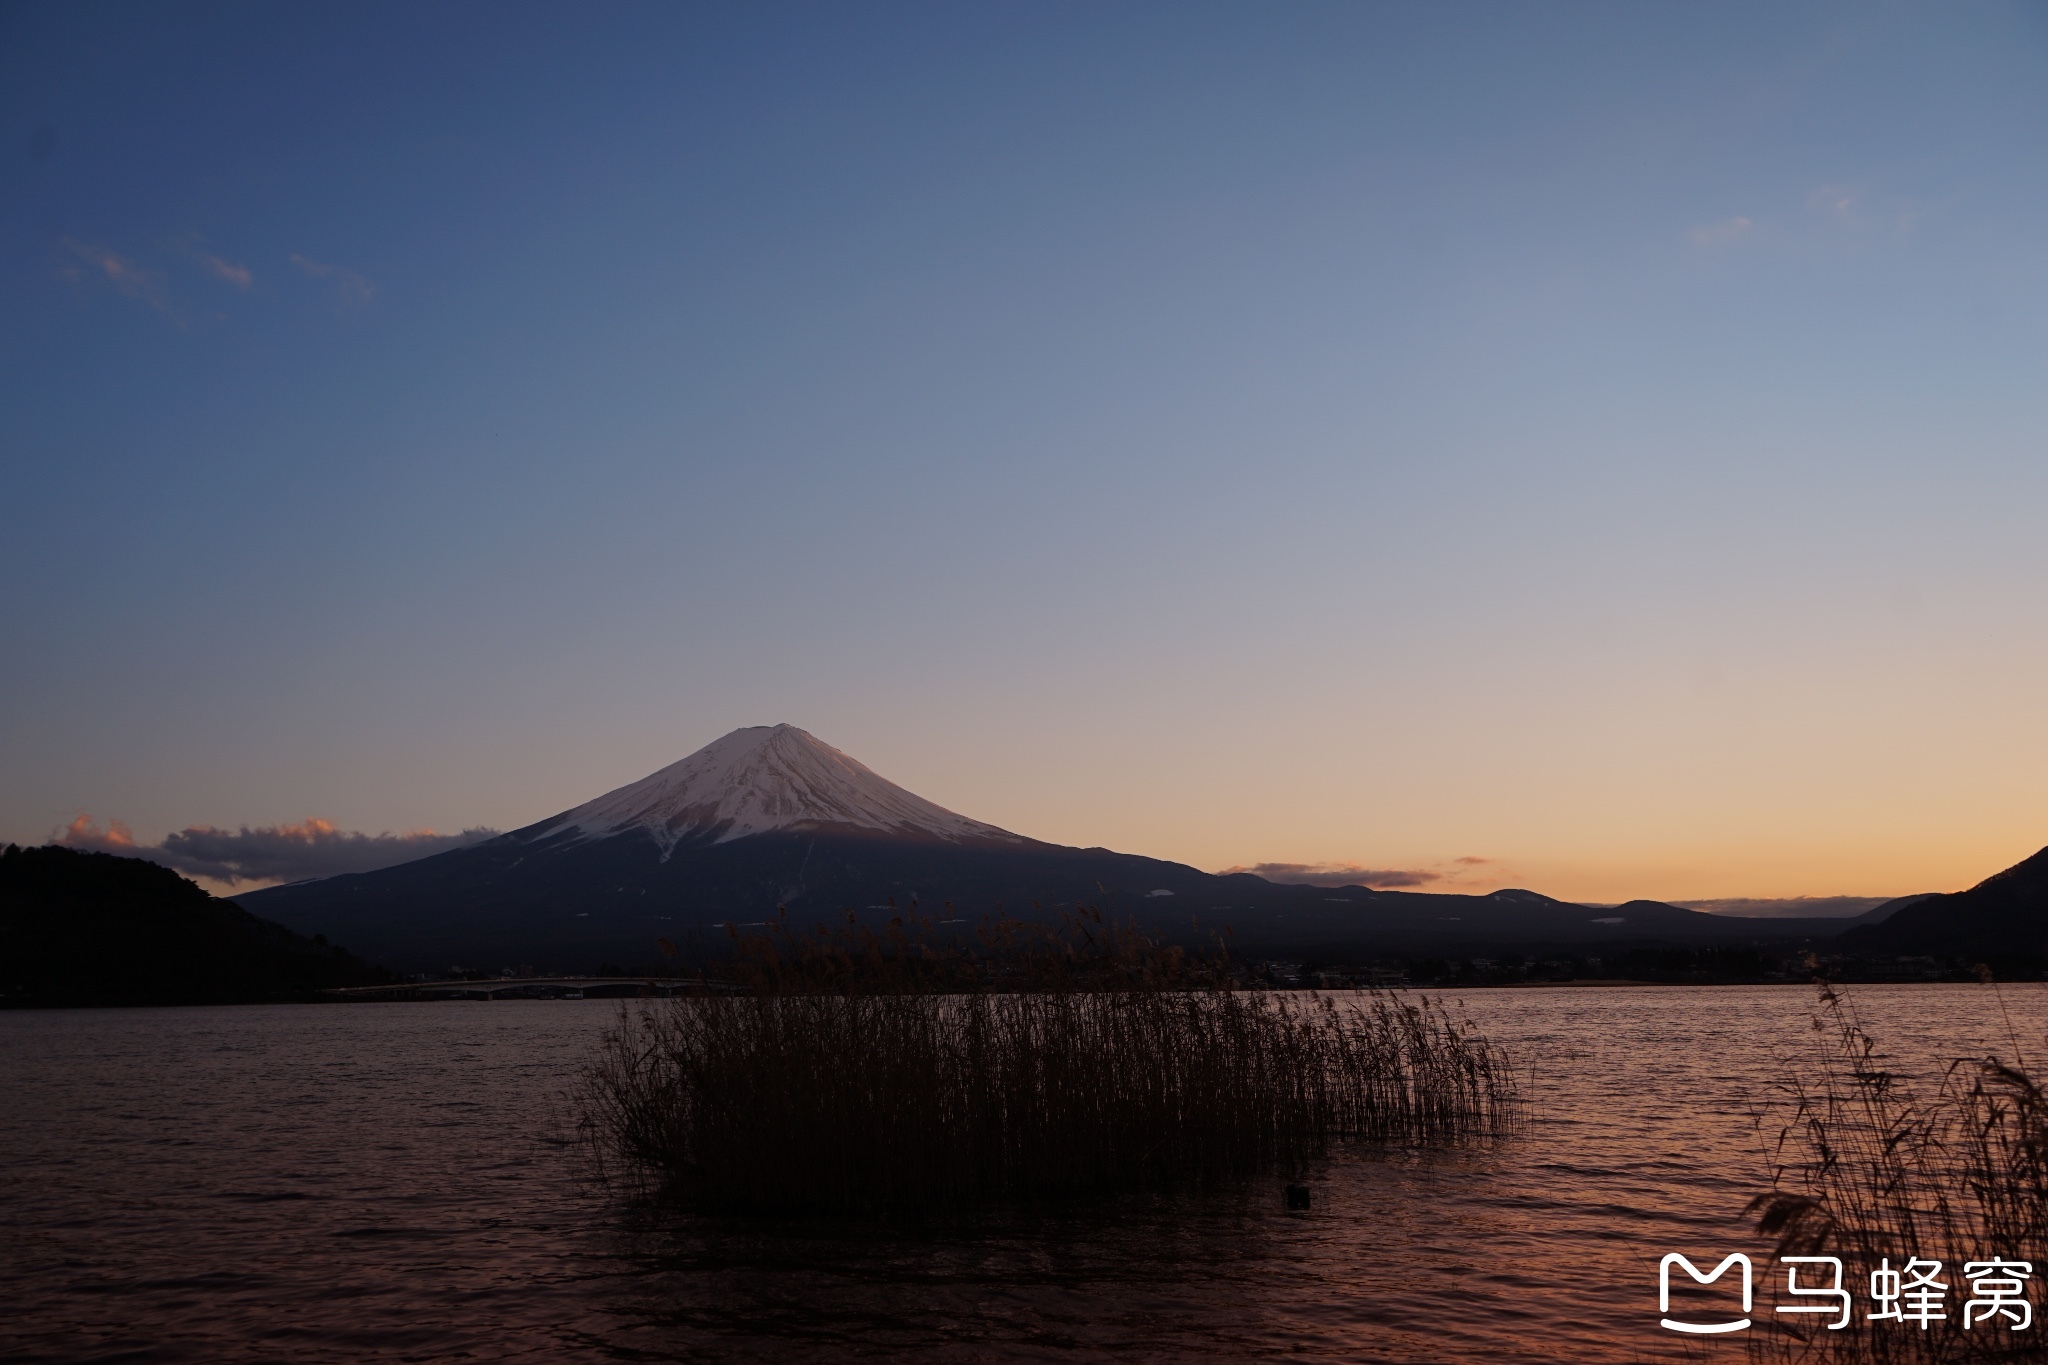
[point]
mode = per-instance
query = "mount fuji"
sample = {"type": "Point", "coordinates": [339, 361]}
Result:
{"type": "Point", "coordinates": [761, 780]}
{"type": "Point", "coordinates": [771, 819]}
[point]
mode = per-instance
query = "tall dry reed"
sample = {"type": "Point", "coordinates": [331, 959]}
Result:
{"type": "Point", "coordinates": [849, 1100]}
{"type": "Point", "coordinates": [1870, 1167]}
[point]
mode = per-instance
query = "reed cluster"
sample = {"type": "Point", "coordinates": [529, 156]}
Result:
{"type": "Point", "coordinates": [853, 1101]}
{"type": "Point", "coordinates": [1873, 1168]}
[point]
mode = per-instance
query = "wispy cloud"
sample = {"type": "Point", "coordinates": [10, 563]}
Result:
{"type": "Point", "coordinates": [1336, 874]}
{"type": "Point", "coordinates": [1835, 200]}
{"type": "Point", "coordinates": [1832, 217]}
{"type": "Point", "coordinates": [313, 848]}
{"type": "Point", "coordinates": [353, 288]}
{"type": "Point", "coordinates": [227, 272]}
{"type": "Point", "coordinates": [123, 274]}
{"type": "Point", "coordinates": [1721, 233]}
{"type": "Point", "coordinates": [1853, 209]}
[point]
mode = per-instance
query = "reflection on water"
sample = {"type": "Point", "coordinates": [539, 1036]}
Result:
{"type": "Point", "coordinates": [387, 1181]}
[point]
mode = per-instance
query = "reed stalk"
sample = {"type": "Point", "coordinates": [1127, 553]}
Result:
{"type": "Point", "coordinates": [1869, 1166]}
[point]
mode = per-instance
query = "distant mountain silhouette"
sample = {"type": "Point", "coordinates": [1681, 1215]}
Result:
{"type": "Point", "coordinates": [93, 929]}
{"type": "Point", "coordinates": [1878, 914]}
{"type": "Point", "coordinates": [771, 819]}
{"type": "Point", "coordinates": [2003, 918]}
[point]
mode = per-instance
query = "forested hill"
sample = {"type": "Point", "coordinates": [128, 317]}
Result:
{"type": "Point", "coordinates": [2001, 921]}
{"type": "Point", "coordinates": [93, 929]}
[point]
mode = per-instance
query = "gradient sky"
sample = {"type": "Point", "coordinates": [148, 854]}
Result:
{"type": "Point", "coordinates": [1607, 441]}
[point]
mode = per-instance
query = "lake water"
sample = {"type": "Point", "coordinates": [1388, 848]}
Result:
{"type": "Point", "coordinates": [390, 1182]}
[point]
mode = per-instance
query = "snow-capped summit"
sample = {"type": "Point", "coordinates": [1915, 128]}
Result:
{"type": "Point", "coordinates": [762, 778]}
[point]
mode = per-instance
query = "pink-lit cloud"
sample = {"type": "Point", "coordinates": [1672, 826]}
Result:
{"type": "Point", "coordinates": [123, 274]}
{"type": "Point", "coordinates": [83, 833]}
{"type": "Point", "coordinates": [227, 272]}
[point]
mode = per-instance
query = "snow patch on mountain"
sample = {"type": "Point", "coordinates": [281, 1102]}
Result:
{"type": "Point", "coordinates": [762, 778]}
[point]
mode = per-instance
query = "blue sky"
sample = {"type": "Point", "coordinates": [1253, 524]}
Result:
{"type": "Point", "coordinates": [1603, 440]}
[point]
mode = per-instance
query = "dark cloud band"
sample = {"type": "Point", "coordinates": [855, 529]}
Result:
{"type": "Point", "coordinates": [1787, 907]}
{"type": "Point", "coordinates": [287, 853]}
{"type": "Point", "coordinates": [1337, 874]}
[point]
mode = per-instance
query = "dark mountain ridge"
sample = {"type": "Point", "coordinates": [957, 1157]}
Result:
{"type": "Point", "coordinates": [770, 821]}
{"type": "Point", "coordinates": [2002, 919]}
{"type": "Point", "coordinates": [613, 899]}
{"type": "Point", "coordinates": [94, 929]}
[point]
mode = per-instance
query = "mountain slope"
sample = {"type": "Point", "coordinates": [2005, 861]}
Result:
{"type": "Point", "coordinates": [769, 819]}
{"type": "Point", "coordinates": [2002, 918]}
{"type": "Point", "coordinates": [756, 780]}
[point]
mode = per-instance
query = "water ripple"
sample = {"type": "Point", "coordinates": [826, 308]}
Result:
{"type": "Point", "coordinates": [350, 1183]}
